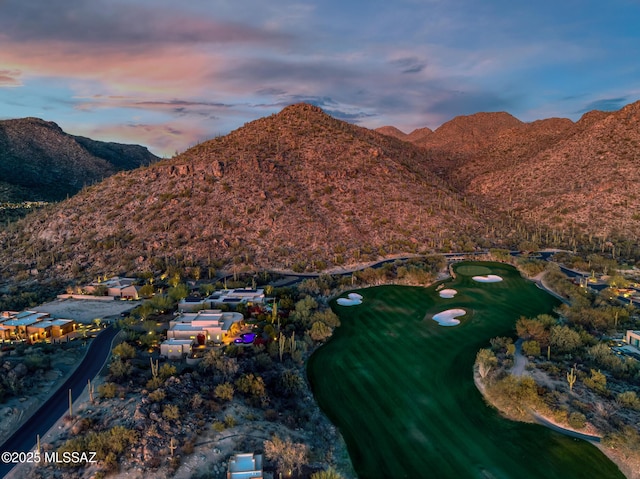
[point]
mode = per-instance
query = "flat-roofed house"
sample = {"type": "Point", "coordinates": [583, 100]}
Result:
{"type": "Point", "coordinates": [117, 287]}
{"type": "Point", "coordinates": [39, 331]}
{"type": "Point", "coordinates": [176, 348]}
{"type": "Point", "coordinates": [5, 332]}
{"type": "Point", "coordinates": [22, 321]}
{"type": "Point", "coordinates": [213, 324]}
{"type": "Point", "coordinates": [245, 466]}
{"type": "Point", "coordinates": [232, 297]}
{"type": "Point", "coordinates": [60, 327]}
{"type": "Point", "coordinates": [192, 304]}
{"type": "Point", "coordinates": [633, 338]}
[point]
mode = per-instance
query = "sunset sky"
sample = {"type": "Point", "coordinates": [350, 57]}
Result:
{"type": "Point", "coordinates": [169, 74]}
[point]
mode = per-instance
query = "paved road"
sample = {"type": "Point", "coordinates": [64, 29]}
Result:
{"type": "Point", "coordinates": [24, 439]}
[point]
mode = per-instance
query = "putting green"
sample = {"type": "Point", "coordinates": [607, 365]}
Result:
{"type": "Point", "coordinates": [400, 387]}
{"type": "Point", "coordinates": [472, 270]}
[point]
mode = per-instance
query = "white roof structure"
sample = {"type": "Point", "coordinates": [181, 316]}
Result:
{"type": "Point", "coordinates": [245, 466]}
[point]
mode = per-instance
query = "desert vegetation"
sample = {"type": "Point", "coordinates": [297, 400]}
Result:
{"type": "Point", "coordinates": [574, 376]}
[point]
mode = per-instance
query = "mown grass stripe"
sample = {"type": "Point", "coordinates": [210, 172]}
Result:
{"type": "Point", "coordinates": [401, 388]}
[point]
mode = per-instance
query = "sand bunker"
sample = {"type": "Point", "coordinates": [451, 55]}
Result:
{"type": "Point", "coordinates": [352, 300]}
{"type": "Point", "coordinates": [447, 318]}
{"type": "Point", "coordinates": [490, 278]}
{"type": "Point", "coordinates": [448, 293]}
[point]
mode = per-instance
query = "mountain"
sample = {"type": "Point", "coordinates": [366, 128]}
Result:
{"type": "Point", "coordinates": [39, 161]}
{"type": "Point", "coordinates": [297, 189]}
{"type": "Point", "coordinates": [580, 178]}
{"type": "Point", "coordinates": [392, 131]}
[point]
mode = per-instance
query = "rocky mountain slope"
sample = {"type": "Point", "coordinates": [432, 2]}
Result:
{"type": "Point", "coordinates": [39, 161]}
{"type": "Point", "coordinates": [299, 189]}
{"type": "Point", "coordinates": [578, 179]}
{"type": "Point", "coordinates": [583, 177]}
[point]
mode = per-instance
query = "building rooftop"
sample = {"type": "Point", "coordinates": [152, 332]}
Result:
{"type": "Point", "coordinates": [171, 341]}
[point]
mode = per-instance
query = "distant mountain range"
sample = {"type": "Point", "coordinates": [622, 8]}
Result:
{"type": "Point", "coordinates": [573, 177]}
{"type": "Point", "coordinates": [40, 162]}
{"type": "Point", "coordinates": [303, 190]}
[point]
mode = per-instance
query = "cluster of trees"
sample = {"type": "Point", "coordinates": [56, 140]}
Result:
{"type": "Point", "coordinates": [574, 349]}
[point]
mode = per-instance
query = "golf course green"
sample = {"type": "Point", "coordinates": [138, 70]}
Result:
{"type": "Point", "coordinates": [400, 388]}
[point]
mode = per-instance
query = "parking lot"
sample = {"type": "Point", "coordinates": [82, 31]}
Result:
{"type": "Point", "coordinates": [85, 311]}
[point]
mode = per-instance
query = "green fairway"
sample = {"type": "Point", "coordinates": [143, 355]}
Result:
{"type": "Point", "coordinates": [400, 386]}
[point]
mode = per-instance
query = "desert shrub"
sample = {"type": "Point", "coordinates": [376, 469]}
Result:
{"type": "Point", "coordinates": [167, 370]}
{"type": "Point", "coordinates": [628, 399]}
{"type": "Point", "coordinates": [597, 382]}
{"type": "Point", "coordinates": [218, 426]}
{"type": "Point", "coordinates": [120, 369]}
{"type": "Point", "coordinates": [157, 396]}
{"type": "Point", "coordinates": [171, 412]}
{"type": "Point", "coordinates": [229, 421]}
{"type": "Point", "coordinates": [107, 390]}
{"type": "Point", "coordinates": [224, 391]}
{"type": "Point", "coordinates": [154, 383]}
{"type": "Point", "coordinates": [124, 351]}
{"type": "Point", "coordinates": [577, 420]}
{"type": "Point", "coordinates": [531, 348]}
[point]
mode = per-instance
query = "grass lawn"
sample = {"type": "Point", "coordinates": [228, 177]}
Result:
{"type": "Point", "coordinates": [400, 386]}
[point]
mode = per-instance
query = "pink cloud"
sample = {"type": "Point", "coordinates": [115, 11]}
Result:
{"type": "Point", "coordinates": [163, 139]}
{"type": "Point", "coordinates": [10, 78]}
{"type": "Point", "coordinates": [168, 70]}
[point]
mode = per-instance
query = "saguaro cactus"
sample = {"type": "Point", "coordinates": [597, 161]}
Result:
{"type": "Point", "coordinates": [571, 378]}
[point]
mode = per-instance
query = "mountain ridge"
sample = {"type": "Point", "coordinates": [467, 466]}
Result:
{"type": "Point", "coordinates": [302, 190]}
{"type": "Point", "coordinates": [40, 162]}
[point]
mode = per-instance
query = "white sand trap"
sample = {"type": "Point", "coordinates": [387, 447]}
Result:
{"type": "Point", "coordinates": [490, 278]}
{"type": "Point", "coordinates": [448, 293]}
{"type": "Point", "coordinates": [352, 300]}
{"type": "Point", "coordinates": [447, 318]}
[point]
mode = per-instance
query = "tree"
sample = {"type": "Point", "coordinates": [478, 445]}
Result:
{"type": "Point", "coordinates": [147, 291]}
{"type": "Point", "coordinates": [288, 456]}
{"type": "Point", "coordinates": [178, 292]}
{"type": "Point", "coordinates": [124, 351]}
{"type": "Point", "coordinates": [319, 331]}
{"type": "Point", "coordinates": [161, 303]}
{"type": "Point", "coordinates": [485, 359]}
{"type": "Point", "coordinates": [564, 339]}
{"type": "Point", "coordinates": [531, 348]}
{"type": "Point", "coordinates": [597, 382]}
{"type": "Point", "coordinates": [290, 383]}
{"type": "Point", "coordinates": [120, 369]}
{"type": "Point", "coordinates": [303, 310]}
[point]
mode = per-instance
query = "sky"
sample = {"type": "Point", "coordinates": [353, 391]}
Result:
{"type": "Point", "coordinates": [169, 74]}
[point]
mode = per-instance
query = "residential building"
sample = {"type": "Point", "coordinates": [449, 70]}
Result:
{"type": "Point", "coordinates": [233, 297]}
{"type": "Point", "coordinates": [633, 338]}
{"type": "Point", "coordinates": [192, 304]}
{"type": "Point", "coordinates": [245, 466]}
{"type": "Point", "coordinates": [33, 326]}
{"type": "Point", "coordinates": [205, 325]}
{"type": "Point", "coordinates": [176, 348]}
{"type": "Point", "coordinates": [116, 287]}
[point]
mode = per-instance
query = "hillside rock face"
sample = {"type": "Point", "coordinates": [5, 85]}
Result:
{"type": "Point", "coordinates": [302, 190]}
{"type": "Point", "coordinates": [39, 161]}
{"type": "Point", "coordinates": [583, 177]}
{"type": "Point", "coordinates": [299, 188]}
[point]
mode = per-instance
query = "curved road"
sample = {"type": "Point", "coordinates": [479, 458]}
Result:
{"type": "Point", "coordinates": [24, 439]}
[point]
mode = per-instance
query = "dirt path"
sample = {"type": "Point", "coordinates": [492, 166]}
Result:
{"type": "Point", "coordinates": [519, 360]}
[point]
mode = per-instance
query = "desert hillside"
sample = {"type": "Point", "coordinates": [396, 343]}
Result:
{"type": "Point", "coordinates": [581, 177]}
{"type": "Point", "coordinates": [299, 190]}
{"type": "Point", "coordinates": [39, 161]}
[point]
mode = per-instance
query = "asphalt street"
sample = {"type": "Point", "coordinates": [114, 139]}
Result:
{"type": "Point", "coordinates": [24, 439]}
